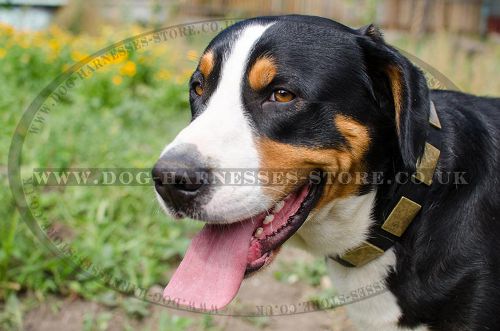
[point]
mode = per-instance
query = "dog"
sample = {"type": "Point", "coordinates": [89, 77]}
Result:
{"type": "Point", "coordinates": [306, 102]}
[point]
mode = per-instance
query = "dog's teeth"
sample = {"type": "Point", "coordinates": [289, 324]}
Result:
{"type": "Point", "coordinates": [278, 206]}
{"type": "Point", "coordinates": [259, 231]}
{"type": "Point", "coordinates": [268, 219]}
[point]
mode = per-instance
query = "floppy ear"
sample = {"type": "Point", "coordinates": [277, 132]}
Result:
{"type": "Point", "coordinates": [401, 89]}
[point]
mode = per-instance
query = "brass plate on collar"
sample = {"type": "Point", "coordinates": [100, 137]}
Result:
{"type": "Point", "coordinates": [401, 216]}
{"type": "Point", "coordinates": [427, 164]}
{"type": "Point", "coordinates": [433, 117]}
{"type": "Point", "coordinates": [362, 254]}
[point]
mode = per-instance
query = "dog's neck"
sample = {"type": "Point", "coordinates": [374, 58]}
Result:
{"type": "Point", "coordinates": [337, 227]}
{"type": "Point", "coordinates": [344, 224]}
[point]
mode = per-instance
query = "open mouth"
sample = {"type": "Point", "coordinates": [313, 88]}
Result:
{"type": "Point", "coordinates": [221, 255]}
{"type": "Point", "coordinates": [277, 225]}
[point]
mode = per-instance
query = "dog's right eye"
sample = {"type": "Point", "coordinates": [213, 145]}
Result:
{"type": "Point", "coordinates": [197, 88]}
{"type": "Point", "coordinates": [282, 96]}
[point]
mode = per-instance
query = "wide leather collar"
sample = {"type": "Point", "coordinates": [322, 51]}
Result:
{"type": "Point", "coordinates": [405, 204]}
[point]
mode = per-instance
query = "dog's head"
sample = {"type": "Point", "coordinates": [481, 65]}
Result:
{"type": "Point", "coordinates": [281, 108]}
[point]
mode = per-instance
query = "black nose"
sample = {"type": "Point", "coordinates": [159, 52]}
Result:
{"type": "Point", "coordinates": [179, 178]}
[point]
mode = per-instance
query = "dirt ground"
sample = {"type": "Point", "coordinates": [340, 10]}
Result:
{"type": "Point", "coordinates": [261, 289]}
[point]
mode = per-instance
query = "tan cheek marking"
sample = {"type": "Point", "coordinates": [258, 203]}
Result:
{"type": "Point", "coordinates": [396, 87]}
{"type": "Point", "coordinates": [262, 73]}
{"type": "Point", "coordinates": [355, 133]}
{"type": "Point", "coordinates": [206, 64]}
{"type": "Point", "coordinates": [358, 138]}
{"type": "Point", "coordinates": [276, 156]}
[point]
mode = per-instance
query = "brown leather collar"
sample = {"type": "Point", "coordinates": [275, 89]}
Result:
{"type": "Point", "coordinates": [406, 203]}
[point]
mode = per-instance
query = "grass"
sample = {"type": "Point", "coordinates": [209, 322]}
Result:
{"type": "Point", "coordinates": [111, 121]}
{"type": "Point", "coordinates": [122, 117]}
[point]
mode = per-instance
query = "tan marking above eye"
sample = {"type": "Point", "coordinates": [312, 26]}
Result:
{"type": "Point", "coordinates": [207, 63]}
{"type": "Point", "coordinates": [262, 72]}
{"type": "Point", "coordinates": [277, 156]}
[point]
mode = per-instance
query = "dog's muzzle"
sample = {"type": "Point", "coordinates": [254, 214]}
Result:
{"type": "Point", "coordinates": [181, 177]}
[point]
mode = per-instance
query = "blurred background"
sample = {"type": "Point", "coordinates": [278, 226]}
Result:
{"type": "Point", "coordinates": [125, 113]}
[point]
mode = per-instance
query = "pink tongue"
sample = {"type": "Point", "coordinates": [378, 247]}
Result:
{"type": "Point", "coordinates": [213, 268]}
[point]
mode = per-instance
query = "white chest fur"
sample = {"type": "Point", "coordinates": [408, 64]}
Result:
{"type": "Point", "coordinates": [342, 225]}
{"type": "Point", "coordinates": [378, 312]}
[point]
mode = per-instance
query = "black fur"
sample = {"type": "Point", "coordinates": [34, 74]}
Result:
{"type": "Point", "coordinates": [448, 261]}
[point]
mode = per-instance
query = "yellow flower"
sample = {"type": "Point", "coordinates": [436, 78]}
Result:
{"type": "Point", "coordinates": [7, 29]}
{"type": "Point", "coordinates": [128, 69]}
{"type": "Point", "coordinates": [54, 45]}
{"type": "Point", "coordinates": [117, 80]}
{"type": "Point", "coordinates": [77, 56]}
{"type": "Point", "coordinates": [3, 52]}
{"type": "Point", "coordinates": [55, 30]}
{"type": "Point", "coordinates": [192, 55]}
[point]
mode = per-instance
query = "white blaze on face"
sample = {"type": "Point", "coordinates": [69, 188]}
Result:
{"type": "Point", "coordinates": [223, 134]}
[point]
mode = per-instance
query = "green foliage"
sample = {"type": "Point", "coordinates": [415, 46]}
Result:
{"type": "Point", "coordinates": [299, 270]}
{"type": "Point", "coordinates": [174, 323]}
{"type": "Point", "coordinates": [99, 322]}
{"type": "Point", "coordinates": [11, 314]}
{"type": "Point", "coordinates": [122, 116]}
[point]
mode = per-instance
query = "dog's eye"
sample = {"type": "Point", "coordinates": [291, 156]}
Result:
{"type": "Point", "coordinates": [282, 96]}
{"type": "Point", "coordinates": [198, 89]}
